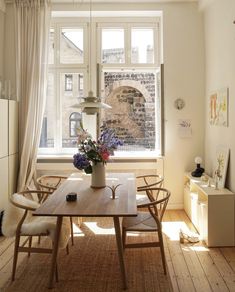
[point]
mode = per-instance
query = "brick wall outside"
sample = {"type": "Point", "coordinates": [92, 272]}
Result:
{"type": "Point", "coordinates": [132, 97]}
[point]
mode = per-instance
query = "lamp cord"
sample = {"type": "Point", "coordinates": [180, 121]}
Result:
{"type": "Point", "coordinates": [90, 22]}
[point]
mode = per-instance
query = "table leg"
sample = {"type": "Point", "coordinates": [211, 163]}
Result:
{"type": "Point", "coordinates": [55, 250]}
{"type": "Point", "coordinates": [120, 250]}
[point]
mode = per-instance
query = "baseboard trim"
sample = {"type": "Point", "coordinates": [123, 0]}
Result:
{"type": "Point", "coordinates": [175, 206]}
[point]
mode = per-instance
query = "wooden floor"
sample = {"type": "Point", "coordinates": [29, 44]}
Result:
{"type": "Point", "coordinates": [192, 267]}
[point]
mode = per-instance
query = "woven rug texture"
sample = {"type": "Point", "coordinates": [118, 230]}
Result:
{"type": "Point", "coordinates": [92, 265]}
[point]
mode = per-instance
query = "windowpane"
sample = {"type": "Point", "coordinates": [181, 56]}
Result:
{"type": "Point", "coordinates": [51, 46]}
{"type": "Point", "coordinates": [133, 97]}
{"type": "Point", "coordinates": [71, 46]}
{"type": "Point", "coordinates": [142, 48]}
{"type": "Point", "coordinates": [75, 122]}
{"type": "Point", "coordinates": [48, 128]}
{"type": "Point", "coordinates": [70, 116]}
{"type": "Point", "coordinates": [68, 82]}
{"type": "Point", "coordinates": [113, 45]}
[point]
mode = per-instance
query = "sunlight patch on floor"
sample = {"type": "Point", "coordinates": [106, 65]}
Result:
{"type": "Point", "coordinates": [196, 248]}
{"type": "Point", "coordinates": [93, 226]}
{"type": "Point", "coordinates": [172, 229]}
{"type": "Point", "coordinates": [77, 232]}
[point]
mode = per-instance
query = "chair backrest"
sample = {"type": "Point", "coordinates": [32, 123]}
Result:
{"type": "Point", "coordinates": [18, 219]}
{"type": "Point", "coordinates": [150, 181]}
{"type": "Point", "coordinates": [20, 205]}
{"type": "Point", "coordinates": [158, 202]}
{"type": "Point", "coordinates": [50, 182]}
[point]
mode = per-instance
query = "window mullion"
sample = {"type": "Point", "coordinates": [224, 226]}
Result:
{"type": "Point", "coordinates": [128, 44]}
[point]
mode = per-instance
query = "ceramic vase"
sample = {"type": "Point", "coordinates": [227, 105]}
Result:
{"type": "Point", "coordinates": [98, 175]}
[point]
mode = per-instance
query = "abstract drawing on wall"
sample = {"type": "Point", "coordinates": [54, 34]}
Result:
{"type": "Point", "coordinates": [184, 128]}
{"type": "Point", "coordinates": [221, 164]}
{"type": "Point", "coordinates": [219, 107]}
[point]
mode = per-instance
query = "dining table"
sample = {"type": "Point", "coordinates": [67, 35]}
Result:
{"type": "Point", "coordinates": [92, 202]}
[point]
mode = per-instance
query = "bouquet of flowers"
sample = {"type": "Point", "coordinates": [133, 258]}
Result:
{"type": "Point", "coordinates": [95, 151]}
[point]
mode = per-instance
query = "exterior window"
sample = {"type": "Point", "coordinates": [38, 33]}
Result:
{"type": "Point", "coordinates": [48, 128]}
{"type": "Point", "coordinates": [71, 46]}
{"type": "Point", "coordinates": [74, 123]}
{"type": "Point", "coordinates": [113, 45]}
{"type": "Point", "coordinates": [135, 100]}
{"type": "Point", "coordinates": [68, 82]}
{"type": "Point", "coordinates": [142, 50]}
{"type": "Point", "coordinates": [128, 79]}
{"type": "Point", "coordinates": [80, 82]}
{"type": "Point", "coordinates": [67, 101]}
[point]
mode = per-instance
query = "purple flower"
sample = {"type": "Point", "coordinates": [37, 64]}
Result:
{"type": "Point", "coordinates": [95, 151]}
{"type": "Point", "coordinates": [81, 162]}
{"type": "Point", "coordinates": [109, 139]}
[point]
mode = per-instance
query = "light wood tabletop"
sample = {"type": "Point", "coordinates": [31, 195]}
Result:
{"type": "Point", "coordinates": [92, 202]}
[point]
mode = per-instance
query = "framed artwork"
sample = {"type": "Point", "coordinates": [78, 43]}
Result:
{"type": "Point", "coordinates": [221, 164]}
{"type": "Point", "coordinates": [184, 128]}
{"type": "Point", "coordinates": [219, 108]}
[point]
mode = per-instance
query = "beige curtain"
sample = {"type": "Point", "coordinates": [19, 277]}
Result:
{"type": "Point", "coordinates": [32, 33]}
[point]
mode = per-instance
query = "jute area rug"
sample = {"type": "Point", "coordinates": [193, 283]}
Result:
{"type": "Point", "coordinates": [92, 265]}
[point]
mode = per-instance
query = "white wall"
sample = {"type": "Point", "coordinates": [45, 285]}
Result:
{"type": "Point", "coordinates": [220, 72]}
{"type": "Point", "coordinates": [184, 75]}
{"type": "Point", "coordinates": [184, 78]}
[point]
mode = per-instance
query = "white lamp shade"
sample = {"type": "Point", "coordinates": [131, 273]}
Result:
{"type": "Point", "coordinates": [91, 104]}
{"type": "Point", "coordinates": [198, 160]}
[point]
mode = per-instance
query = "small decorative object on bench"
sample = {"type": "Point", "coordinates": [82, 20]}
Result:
{"type": "Point", "coordinates": [93, 155]}
{"type": "Point", "coordinates": [220, 166]}
{"type": "Point", "coordinates": [199, 170]}
{"type": "Point", "coordinates": [71, 197]}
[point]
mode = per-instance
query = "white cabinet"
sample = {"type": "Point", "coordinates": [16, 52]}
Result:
{"type": "Point", "coordinates": [8, 149]}
{"type": "Point", "coordinates": [13, 127]}
{"type": "Point", "coordinates": [211, 211]}
{"type": "Point", "coordinates": [3, 128]}
{"type": "Point", "coordinates": [3, 182]}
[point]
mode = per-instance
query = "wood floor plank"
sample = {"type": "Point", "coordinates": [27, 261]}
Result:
{"type": "Point", "coordinates": [7, 255]}
{"type": "Point", "coordinates": [170, 268]}
{"type": "Point", "coordinates": [5, 243]}
{"type": "Point", "coordinates": [183, 276]}
{"type": "Point", "coordinates": [224, 268]}
{"type": "Point", "coordinates": [197, 274]}
{"type": "Point", "coordinates": [211, 271]}
{"type": "Point", "coordinates": [229, 254]}
{"type": "Point", "coordinates": [190, 267]}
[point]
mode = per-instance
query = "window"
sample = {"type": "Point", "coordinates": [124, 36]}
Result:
{"type": "Point", "coordinates": [132, 90]}
{"type": "Point", "coordinates": [80, 82]}
{"type": "Point", "coordinates": [142, 50]}
{"type": "Point", "coordinates": [71, 45]}
{"type": "Point", "coordinates": [68, 82]}
{"type": "Point", "coordinates": [113, 45]}
{"type": "Point", "coordinates": [74, 122]}
{"type": "Point", "coordinates": [128, 52]}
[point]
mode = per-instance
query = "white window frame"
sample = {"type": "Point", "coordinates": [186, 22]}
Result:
{"type": "Point", "coordinates": [56, 69]}
{"type": "Point", "coordinates": [83, 68]}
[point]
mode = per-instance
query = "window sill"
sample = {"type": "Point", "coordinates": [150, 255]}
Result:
{"type": "Point", "coordinates": [118, 157]}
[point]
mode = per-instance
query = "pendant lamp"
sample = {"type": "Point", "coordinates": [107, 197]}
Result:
{"type": "Point", "coordinates": [91, 103]}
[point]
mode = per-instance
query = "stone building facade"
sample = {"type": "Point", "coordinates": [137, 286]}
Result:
{"type": "Point", "coordinates": [132, 97]}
